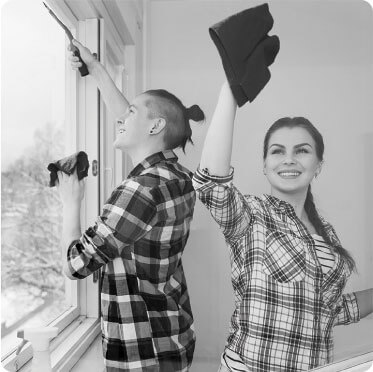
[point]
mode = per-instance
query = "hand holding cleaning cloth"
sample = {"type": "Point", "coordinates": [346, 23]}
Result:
{"type": "Point", "coordinates": [78, 161]}
{"type": "Point", "coordinates": [246, 50]}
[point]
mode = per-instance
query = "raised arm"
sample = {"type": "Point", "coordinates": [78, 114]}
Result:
{"type": "Point", "coordinates": [115, 101]}
{"type": "Point", "coordinates": [213, 180]}
{"type": "Point", "coordinates": [217, 149]}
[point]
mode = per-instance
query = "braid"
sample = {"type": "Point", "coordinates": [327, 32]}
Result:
{"type": "Point", "coordinates": [314, 218]}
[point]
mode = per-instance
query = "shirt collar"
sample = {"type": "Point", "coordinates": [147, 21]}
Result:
{"type": "Point", "coordinates": [278, 204]}
{"type": "Point", "coordinates": [166, 155]}
{"type": "Point", "coordinates": [281, 206]}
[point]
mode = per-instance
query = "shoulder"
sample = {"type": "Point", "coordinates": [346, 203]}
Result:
{"type": "Point", "coordinates": [253, 199]}
{"type": "Point", "coordinates": [163, 172]}
{"type": "Point", "coordinates": [129, 190]}
{"type": "Point", "coordinates": [255, 202]}
{"type": "Point", "coordinates": [164, 181]}
{"type": "Point", "coordinates": [258, 201]}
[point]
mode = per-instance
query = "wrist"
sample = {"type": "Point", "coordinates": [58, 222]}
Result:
{"type": "Point", "coordinates": [95, 67]}
{"type": "Point", "coordinates": [71, 206]}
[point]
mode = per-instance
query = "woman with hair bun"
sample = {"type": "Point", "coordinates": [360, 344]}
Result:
{"type": "Point", "coordinates": [288, 266]}
{"type": "Point", "coordinates": [139, 238]}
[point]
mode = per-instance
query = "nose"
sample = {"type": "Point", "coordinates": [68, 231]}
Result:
{"type": "Point", "coordinates": [120, 121]}
{"type": "Point", "coordinates": [289, 159]}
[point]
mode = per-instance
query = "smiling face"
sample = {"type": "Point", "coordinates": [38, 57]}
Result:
{"type": "Point", "coordinates": [135, 126]}
{"type": "Point", "coordinates": [291, 161]}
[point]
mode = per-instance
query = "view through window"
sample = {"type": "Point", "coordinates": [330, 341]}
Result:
{"type": "Point", "coordinates": [32, 124]}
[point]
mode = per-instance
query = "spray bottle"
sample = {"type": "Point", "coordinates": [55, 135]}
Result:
{"type": "Point", "coordinates": [39, 338]}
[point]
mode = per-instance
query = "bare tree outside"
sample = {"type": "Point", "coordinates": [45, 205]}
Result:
{"type": "Point", "coordinates": [32, 136]}
{"type": "Point", "coordinates": [32, 282]}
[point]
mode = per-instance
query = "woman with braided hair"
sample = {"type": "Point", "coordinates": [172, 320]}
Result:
{"type": "Point", "coordinates": [288, 266]}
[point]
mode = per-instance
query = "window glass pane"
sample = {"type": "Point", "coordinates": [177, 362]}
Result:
{"type": "Point", "coordinates": [32, 125]}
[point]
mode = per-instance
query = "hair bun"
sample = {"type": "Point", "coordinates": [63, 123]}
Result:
{"type": "Point", "coordinates": [195, 113]}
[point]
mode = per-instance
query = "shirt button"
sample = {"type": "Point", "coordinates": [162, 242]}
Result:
{"type": "Point", "coordinates": [316, 318]}
{"type": "Point", "coordinates": [317, 290]}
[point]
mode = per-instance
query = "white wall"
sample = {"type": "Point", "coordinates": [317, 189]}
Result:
{"type": "Point", "coordinates": [324, 71]}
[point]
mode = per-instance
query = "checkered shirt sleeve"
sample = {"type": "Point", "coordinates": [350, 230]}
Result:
{"type": "Point", "coordinates": [226, 204]}
{"type": "Point", "coordinates": [348, 311]}
{"type": "Point", "coordinates": [128, 215]}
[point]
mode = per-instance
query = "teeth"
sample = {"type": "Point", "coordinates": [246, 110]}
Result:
{"type": "Point", "coordinates": [289, 173]}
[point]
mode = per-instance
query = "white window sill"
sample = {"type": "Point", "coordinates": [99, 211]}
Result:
{"type": "Point", "coordinates": [78, 348]}
{"type": "Point", "coordinates": [67, 348]}
{"type": "Point", "coordinates": [92, 361]}
{"type": "Point", "coordinates": [359, 363]}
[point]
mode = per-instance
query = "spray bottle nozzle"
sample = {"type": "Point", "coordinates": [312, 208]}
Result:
{"type": "Point", "coordinates": [21, 334]}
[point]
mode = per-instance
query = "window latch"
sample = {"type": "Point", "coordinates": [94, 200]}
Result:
{"type": "Point", "coordinates": [95, 168]}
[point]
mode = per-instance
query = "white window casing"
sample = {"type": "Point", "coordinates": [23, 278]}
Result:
{"type": "Point", "coordinates": [78, 326]}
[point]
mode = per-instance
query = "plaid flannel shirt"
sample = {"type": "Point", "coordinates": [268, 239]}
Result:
{"type": "Point", "coordinates": [138, 240]}
{"type": "Point", "coordinates": [285, 308]}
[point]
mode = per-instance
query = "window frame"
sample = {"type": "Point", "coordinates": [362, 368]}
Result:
{"type": "Point", "coordinates": [113, 162]}
{"type": "Point", "coordinates": [79, 325]}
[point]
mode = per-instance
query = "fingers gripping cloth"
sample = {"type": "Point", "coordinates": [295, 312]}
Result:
{"type": "Point", "coordinates": [67, 165]}
{"type": "Point", "coordinates": [246, 50]}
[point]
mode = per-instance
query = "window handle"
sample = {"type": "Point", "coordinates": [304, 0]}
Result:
{"type": "Point", "coordinates": [95, 168]}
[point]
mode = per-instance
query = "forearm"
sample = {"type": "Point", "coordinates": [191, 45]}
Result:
{"type": "Point", "coordinates": [71, 229]}
{"type": "Point", "coordinates": [217, 149]}
{"type": "Point", "coordinates": [115, 101]}
{"type": "Point", "coordinates": [365, 302]}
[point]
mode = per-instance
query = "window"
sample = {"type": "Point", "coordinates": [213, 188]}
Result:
{"type": "Point", "coordinates": [45, 108]}
{"type": "Point", "coordinates": [33, 134]}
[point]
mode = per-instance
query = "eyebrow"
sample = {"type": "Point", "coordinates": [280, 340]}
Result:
{"type": "Point", "coordinates": [296, 146]}
{"type": "Point", "coordinates": [120, 118]}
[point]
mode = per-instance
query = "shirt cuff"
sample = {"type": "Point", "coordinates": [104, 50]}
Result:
{"type": "Point", "coordinates": [70, 271]}
{"type": "Point", "coordinates": [353, 304]}
{"type": "Point", "coordinates": [202, 176]}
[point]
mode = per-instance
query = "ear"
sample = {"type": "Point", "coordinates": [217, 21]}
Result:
{"type": "Point", "coordinates": [157, 126]}
{"type": "Point", "coordinates": [264, 168]}
{"type": "Point", "coordinates": [319, 167]}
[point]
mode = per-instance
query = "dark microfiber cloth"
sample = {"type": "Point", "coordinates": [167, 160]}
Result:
{"type": "Point", "coordinates": [246, 50]}
{"type": "Point", "coordinates": [257, 74]}
{"type": "Point", "coordinates": [79, 160]}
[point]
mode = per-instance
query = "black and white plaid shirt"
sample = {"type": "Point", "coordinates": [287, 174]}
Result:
{"type": "Point", "coordinates": [138, 240]}
{"type": "Point", "coordinates": [285, 308]}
